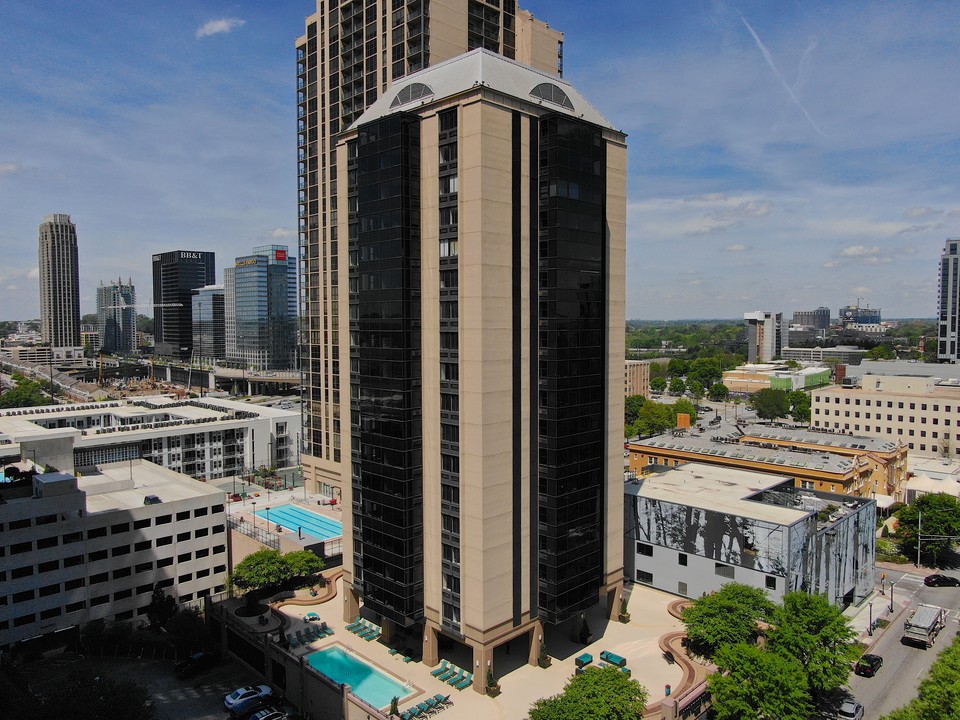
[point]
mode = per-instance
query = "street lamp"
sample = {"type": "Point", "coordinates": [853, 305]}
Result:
{"type": "Point", "coordinates": [254, 503]}
{"type": "Point", "coordinates": [870, 627]}
{"type": "Point", "coordinates": [892, 586]}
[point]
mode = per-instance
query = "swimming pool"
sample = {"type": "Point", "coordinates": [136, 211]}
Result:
{"type": "Point", "coordinates": [292, 517]}
{"type": "Point", "coordinates": [366, 681]}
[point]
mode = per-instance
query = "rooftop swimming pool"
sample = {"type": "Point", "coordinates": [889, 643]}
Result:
{"type": "Point", "coordinates": [295, 517]}
{"type": "Point", "coordinates": [368, 683]}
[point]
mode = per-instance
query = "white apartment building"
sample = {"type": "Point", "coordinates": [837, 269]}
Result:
{"type": "Point", "coordinates": [921, 411]}
{"type": "Point", "coordinates": [206, 438]}
{"type": "Point", "coordinates": [75, 549]}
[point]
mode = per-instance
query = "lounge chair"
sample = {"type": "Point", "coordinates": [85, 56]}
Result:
{"type": "Point", "coordinates": [434, 705]}
{"type": "Point", "coordinates": [450, 672]}
{"type": "Point", "coordinates": [425, 708]}
{"type": "Point", "coordinates": [364, 627]}
{"type": "Point", "coordinates": [375, 632]}
{"type": "Point", "coordinates": [416, 712]}
{"type": "Point", "coordinates": [465, 683]}
{"type": "Point", "coordinates": [303, 640]}
{"type": "Point", "coordinates": [355, 624]}
{"type": "Point", "coordinates": [407, 658]}
{"type": "Point", "coordinates": [454, 680]}
{"type": "Point", "coordinates": [406, 715]}
{"type": "Point", "coordinates": [291, 638]}
{"type": "Point", "coordinates": [326, 629]}
{"type": "Point", "coordinates": [367, 632]}
{"type": "Point", "coordinates": [443, 699]}
{"type": "Point", "coordinates": [440, 670]}
{"type": "Point", "coordinates": [394, 651]}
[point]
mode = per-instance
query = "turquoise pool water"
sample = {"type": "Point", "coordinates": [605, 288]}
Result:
{"type": "Point", "coordinates": [367, 682]}
{"type": "Point", "coordinates": [291, 517]}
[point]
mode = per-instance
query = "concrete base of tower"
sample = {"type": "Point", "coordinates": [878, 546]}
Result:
{"type": "Point", "coordinates": [351, 602]}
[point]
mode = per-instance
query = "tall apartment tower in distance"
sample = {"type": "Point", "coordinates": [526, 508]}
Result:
{"type": "Point", "coordinates": [117, 317]}
{"type": "Point", "coordinates": [764, 336]}
{"type": "Point", "coordinates": [209, 323]}
{"type": "Point", "coordinates": [260, 309]}
{"type": "Point", "coordinates": [59, 282]}
{"type": "Point", "coordinates": [176, 274]}
{"type": "Point", "coordinates": [949, 302]}
{"type": "Point", "coordinates": [818, 319]}
{"type": "Point", "coordinates": [481, 314]}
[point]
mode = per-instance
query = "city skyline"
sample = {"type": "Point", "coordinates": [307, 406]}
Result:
{"type": "Point", "coordinates": [801, 155]}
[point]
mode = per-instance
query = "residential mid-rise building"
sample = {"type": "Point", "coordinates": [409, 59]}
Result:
{"type": "Point", "coordinates": [80, 548]}
{"type": "Point", "coordinates": [637, 374]}
{"type": "Point", "coordinates": [694, 528]}
{"type": "Point", "coordinates": [117, 317]}
{"type": "Point", "coordinates": [260, 309]}
{"type": "Point", "coordinates": [59, 282]}
{"type": "Point", "coordinates": [854, 314]}
{"type": "Point", "coordinates": [847, 354]}
{"type": "Point", "coordinates": [349, 54]}
{"type": "Point", "coordinates": [209, 323]}
{"type": "Point", "coordinates": [948, 311]}
{"type": "Point", "coordinates": [482, 244]}
{"type": "Point", "coordinates": [818, 319]}
{"type": "Point", "coordinates": [176, 274]}
{"type": "Point", "coordinates": [764, 336]}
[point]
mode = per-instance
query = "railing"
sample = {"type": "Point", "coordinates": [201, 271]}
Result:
{"type": "Point", "coordinates": [264, 537]}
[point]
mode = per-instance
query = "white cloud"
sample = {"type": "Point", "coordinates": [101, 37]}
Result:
{"type": "Point", "coordinates": [736, 247]}
{"type": "Point", "coordinates": [33, 274]}
{"type": "Point", "coordinates": [216, 27]}
{"type": "Point", "coordinates": [919, 212]}
{"type": "Point", "coordinates": [282, 233]}
{"type": "Point", "coordinates": [8, 168]}
{"type": "Point", "coordinates": [859, 251]}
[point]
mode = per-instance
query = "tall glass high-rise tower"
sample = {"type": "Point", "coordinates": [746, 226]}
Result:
{"type": "Point", "coordinates": [59, 282]}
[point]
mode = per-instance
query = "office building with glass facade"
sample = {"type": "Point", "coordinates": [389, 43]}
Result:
{"type": "Point", "coordinates": [176, 275]}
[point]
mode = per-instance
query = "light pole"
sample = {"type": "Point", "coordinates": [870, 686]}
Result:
{"type": "Point", "coordinates": [254, 503]}
{"type": "Point", "coordinates": [892, 586]}
{"type": "Point", "coordinates": [268, 518]}
{"type": "Point", "coordinates": [870, 627]}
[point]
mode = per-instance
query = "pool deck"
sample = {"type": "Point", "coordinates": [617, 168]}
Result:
{"type": "Point", "coordinates": [639, 641]}
{"type": "Point", "coordinates": [259, 500]}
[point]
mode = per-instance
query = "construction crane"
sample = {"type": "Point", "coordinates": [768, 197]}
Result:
{"type": "Point", "coordinates": [124, 306]}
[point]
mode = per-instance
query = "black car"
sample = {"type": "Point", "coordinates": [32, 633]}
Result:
{"type": "Point", "coordinates": [868, 665]}
{"type": "Point", "coordinates": [195, 664]}
{"type": "Point", "coordinates": [941, 581]}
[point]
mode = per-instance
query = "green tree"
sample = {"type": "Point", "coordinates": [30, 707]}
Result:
{"type": "Point", "coordinates": [683, 406]}
{"type": "Point", "coordinates": [598, 694]}
{"type": "Point", "coordinates": [933, 514]}
{"type": "Point", "coordinates": [938, 696]}
{"type": "Point", "coordinates": [696, 389]}
{"type": "Point", "coordinates": [89, 692]}
{"type": "Point", "coordinates": [655, 418]}
{"type": "Point", "coordinates": [706, 371]}
{"type": "Point", "coordinates": [770, 403]}
{"type": "Point", "coordinates": [799, 405]}
{"type": "Point", "coordinates": [726, 617]}
{"type": "Point", "coordinates": [262, 569]}
{"type": "Point", "coordinates": [187, 631]}
{"type": "Point", "coordinates": [677, 367]}
{"type": "Point", "coordinates": [719, 392]}
{"type": "Point", "coordinates": [161, 608]}
{"type": "Point", "coordinates": [677, 386]}
{"type": "Point", "coordinates": [884, 351]}
{"type": "Point", "coordinates": [303, 563]}
{"type": "Point", "coordinates": [814, 632]}
{"type": "Point", "coordinates": [752, 683]}
{"type": "Point", "coordinates": [631, 408]}
{"type": "Point", "coordinates": [658, 384]}
{"type": "Point", "coordinates": [24, 393]}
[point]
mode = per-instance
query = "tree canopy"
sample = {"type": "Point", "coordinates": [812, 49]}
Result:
{"type": "Point", "coordinates": [933, 514]}
{"type": "Point", "coordinates": [677, 386]}
{"type": "Point", "coordinates": [91, 693]}
{"type": "Point", "coordinates": [597, 694]}
{"type": "Point", "coordinates": [719, 392]}
{"type": "Point", "coordinates": [799, 405]}
{"type": "Point", "coordinates": [24, 393]}
{"type": "Point", "coordinates": [770, 403]}
{"type": "Point", "coordinates": [752, 683]}
{"type": "Point", "coordinates": [268, 568]}
{"type": "Point", "coordinates": [631, 408]}
{"type": "Point", "coordinates": [696, 389]}
{"type": "Point", "coordinates": [726, 617]}
{"type": "Point", "coordinates": [658, 384]}
{"type": "Point", "coordinates": [706, 371]}
{"type": "Point", "coordinates": [814, 632]}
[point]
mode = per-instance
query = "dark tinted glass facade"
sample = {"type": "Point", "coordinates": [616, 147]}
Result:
{"type": "Point", "coordinates": [572, 365]}
{"type": "Point", "coordinates": [175, 275]}
{"type": "Point", "coordinates": [384, 250]}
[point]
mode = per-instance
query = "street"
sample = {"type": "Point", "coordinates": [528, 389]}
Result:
{"type": "Point", "coordinates": [903, 665]}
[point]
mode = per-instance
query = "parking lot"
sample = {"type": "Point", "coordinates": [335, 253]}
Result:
{"type": "Point", "coordinates": [199, 698]}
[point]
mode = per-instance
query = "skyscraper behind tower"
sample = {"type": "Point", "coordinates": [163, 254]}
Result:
{"type": "Point", "coordinates": [176, 275]}
{"type": "Point", "coordinates": [351, 51]}
{"type": "Point", "coordinates": [117, 317]}
{"type": "Point", "coordinates": [948, 314]}
{"type": "Point", "coordinates": [59, 282]}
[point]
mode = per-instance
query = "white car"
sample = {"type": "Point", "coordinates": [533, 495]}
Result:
{"type": "Point", "coordinates": [245, 693]}
{"type": "Point", "coordinates": [850, 710]}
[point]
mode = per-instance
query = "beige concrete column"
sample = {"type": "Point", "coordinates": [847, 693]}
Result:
{"type": "Point", "coordinates": [351, 604]}
{"type": "Point", "coordinates": [614, 596]}
{"type": "Point", "coordinates": [536, 635]}
{"type": "Point", "coordinates": [482, 661]}
{"type": "Point", "coordinates": [431, 651]}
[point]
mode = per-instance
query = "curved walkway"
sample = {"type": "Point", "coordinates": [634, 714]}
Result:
{"type": "Point", "coordinates": [672, 646]}
{"type": "Point", "coordinates": [328, 593]}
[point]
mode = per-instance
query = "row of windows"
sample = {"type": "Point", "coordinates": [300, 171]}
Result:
{"type": "Point", "coordinates": [53, 565]}
{"type": "Point", "coordinates": [113, 529]}
{"type": "Point", "coordinates": [879, 416]}
{"type": "Point", "coordinates": [889, 404]}
{"type": "Point", "coordinates": [43, 543]}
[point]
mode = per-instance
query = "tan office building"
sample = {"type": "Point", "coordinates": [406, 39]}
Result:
{"type": "Point", "coordinates": [482, 241]}
{"type": "Point", "coordinates": [59, 282]}
{"type": "Point", "coordinates": [921, 412]}
{"type": "Point", "coordinates": [637, 378]}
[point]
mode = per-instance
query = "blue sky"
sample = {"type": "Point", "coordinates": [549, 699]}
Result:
{"type": "Point", "coordinates": [782, 155]}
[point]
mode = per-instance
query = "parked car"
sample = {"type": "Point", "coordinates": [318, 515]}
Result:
{"type": "Point", "coordinates": [195, 664]}
{"type": "Point", "coordinates": [850, 710]}
{"type": "Point", "coordinates": [248, 692]}
{"type": "Point", "coordinates": [245, 709]}
{"type": "Point", "coordinates": [868, 665]}
{"type": "Point", "coordinates": [267, 713]}
{"type": "Point", "coordinates": [937, 580]}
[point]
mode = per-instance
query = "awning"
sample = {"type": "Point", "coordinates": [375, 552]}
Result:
{"type": "Point", "coordinates": [884, 501]}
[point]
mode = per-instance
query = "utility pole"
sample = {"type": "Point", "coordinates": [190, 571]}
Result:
{"type": "Point", "coordinates": [919, 526]}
